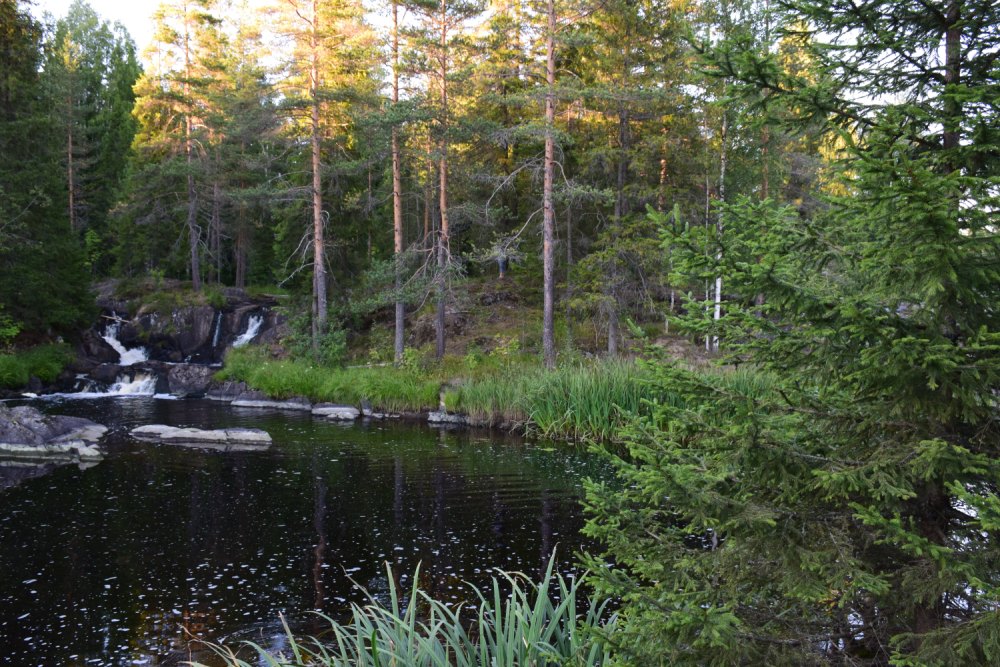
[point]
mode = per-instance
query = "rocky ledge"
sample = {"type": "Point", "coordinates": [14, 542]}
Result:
{"type": "Point", "coordinates": [224, 439]}
{"type": "Point", "coordinates": [27, 433]}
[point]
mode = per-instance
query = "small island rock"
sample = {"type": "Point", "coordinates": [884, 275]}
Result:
{"type": "Point", "coordinates": [227, 439]}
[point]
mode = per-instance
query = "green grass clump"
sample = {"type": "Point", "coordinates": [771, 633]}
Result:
{"type": "Point", "coordinates": [516, 623]}
{"type": "Point", "coordinates": [44, 362]}
{"type": "Point", "coordinates": [387, 389]}
{"type": "Point", "coordinates": [580, 401]}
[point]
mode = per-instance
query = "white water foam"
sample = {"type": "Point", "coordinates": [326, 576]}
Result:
{"type": "Point", "coordinates": [253, 328]}
{"type": "Point", "coordinates": [141, 385]}
{"type": "Point", "coordinates": [128, 357]}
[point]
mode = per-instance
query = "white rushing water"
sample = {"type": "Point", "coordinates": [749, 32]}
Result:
{"type": "Point", "coordinates": [136, 355]}
{"type": "Point", "coordinates": [142, 384]}
{"type": "Point", "coordinates": [253, 328]}
{"type": "Point", "coordinates": [218, 331]}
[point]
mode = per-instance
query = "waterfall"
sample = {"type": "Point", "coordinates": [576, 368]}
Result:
{"type": "Point", "coordinates": [253, 328]}
{"type": "Point", "coordinates": [128, 357]}
{"type": "Point", "coordinates": [218, 331]}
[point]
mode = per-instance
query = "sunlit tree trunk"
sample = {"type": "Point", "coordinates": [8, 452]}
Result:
{"type": "Point", "coordinates": [548, 209]}
{"type": "Point", "coordinates": [194, 232]}
{"type": "Point", "coordinates": [443, 246]}
{"type": "Point", "coordinates": [319, 260]}
{"type": "Point", "coordinates": [397, 193]}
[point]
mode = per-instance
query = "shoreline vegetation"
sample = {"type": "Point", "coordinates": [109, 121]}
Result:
{"type": "Point", "coordinates": [588, 400]}
{"type": "Point", "coordinates": [514, 622]}
{"type": "Point", "coordinates": [43, 362]}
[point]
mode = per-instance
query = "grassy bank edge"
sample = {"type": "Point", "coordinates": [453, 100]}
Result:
{"type": "Point", "coordinates": [579, 401]}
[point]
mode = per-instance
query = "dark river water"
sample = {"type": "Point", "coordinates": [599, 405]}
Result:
{"type": "Point", "coordinates": [136, 560]}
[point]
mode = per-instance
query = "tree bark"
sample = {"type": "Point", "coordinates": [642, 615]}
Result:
{"type": "Point", "coordinates": [397, 194]}
{"type": "Point", "coordinates": [720, 222]}
{"type": "Point", "coordinates": [319, 260]}
{"type": "Point", "coordinates": [443, 246]}
{"type": "Point", "coordinates": [215, 233]}
{"type": "Point", "coordinates": [548, 211]}
{"type": "Point", "coordinates": [194, 233]}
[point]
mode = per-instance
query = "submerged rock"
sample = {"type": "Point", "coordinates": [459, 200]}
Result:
{"type": "Point", "coordinates": [442, 417]}
{"type": "Point", "coordinates": [27, 433]}
{"type": "Point", "coordinates": [225, 439]}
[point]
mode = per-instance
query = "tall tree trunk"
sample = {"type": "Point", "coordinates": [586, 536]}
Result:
{"type": "Point", "coordinates": [720, 222]}
{"type": "Point", "coordinates": [319, 261]}
{"type": "Point", "coordinates": [242, 243]}
{"type": "Point", "coordinates": [215, 233]}
{"type": "Point", "coordinates": [952, 74]}
{"type": "Point", "coordinates": [397, 193]}
{"type": "Point", "coordinates": [443, 255]}
{"type": "Point", "coordinates": [70, 166]}
{"type": "Point", "coordinates": [933, 502]}
{"type": "Point", "coordinates": [548, 210]}
{"type": "Point", "coordinates": [194, 232]}
{"type": "Point", "coordinates": [621, 176]}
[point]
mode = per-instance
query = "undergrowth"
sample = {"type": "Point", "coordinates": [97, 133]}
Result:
{"type": "Point", "coordinates": [44, 362]}
{"type": "Point", "coordinates": [514, 624]}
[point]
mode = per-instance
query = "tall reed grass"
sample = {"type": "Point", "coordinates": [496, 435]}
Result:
{"type": "Point", "coordinates": [581, 401]}
{"type": "Point", "coordinates": [592, 400]}
{"type": "Point", "coordinates": [517, 623]}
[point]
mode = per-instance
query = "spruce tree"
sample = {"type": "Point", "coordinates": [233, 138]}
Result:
{"type": "Point", "coordinates": [834, 499]}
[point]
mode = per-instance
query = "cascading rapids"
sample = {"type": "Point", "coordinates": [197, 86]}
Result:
{"type": "Point", "coordinates": [253, 328]}
{"type": "Point", "coordinates": [129, 357]}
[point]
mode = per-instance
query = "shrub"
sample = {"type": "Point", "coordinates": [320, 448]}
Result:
{"type": "Point", "coordinates": [516, 623]}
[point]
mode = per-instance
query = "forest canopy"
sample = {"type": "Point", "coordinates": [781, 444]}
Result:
{"type": "Point", "coordinates": [805, 190]}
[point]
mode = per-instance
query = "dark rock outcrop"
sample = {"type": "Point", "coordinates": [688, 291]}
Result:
{"type": "Point", "coordinates": [94, 347]}
{"type": "Point", "coordinates": [107, 373]}
{"type": "Point", "coordinates": [189, 380]}
{"type": "Point", "coordinates": [227, 391]}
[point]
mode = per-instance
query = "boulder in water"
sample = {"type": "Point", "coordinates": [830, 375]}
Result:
{"type": "Point", "coordinates": [223, 439]}
{"type": "Point", "coordinates": [27, 433]}
{"type": "Point", "coordinates": [106, 373]}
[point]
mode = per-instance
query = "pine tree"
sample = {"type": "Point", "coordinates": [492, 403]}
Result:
{"type": "Point", "coordinates": [834, 501]}
{"type": "Point", "coordinates": [43, 280]}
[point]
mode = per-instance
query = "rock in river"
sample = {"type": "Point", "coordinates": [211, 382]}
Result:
{"type": "Point", "coordinates": [27, 433]}
{"type": "Point", "coordinates": [223, 439]}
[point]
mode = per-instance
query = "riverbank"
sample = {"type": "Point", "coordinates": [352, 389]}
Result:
{"type": "Point", "coordinates": [587, 400]}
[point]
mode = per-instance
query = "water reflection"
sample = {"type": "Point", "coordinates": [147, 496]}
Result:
{"type": "Point", "coordinates": [129, 561]}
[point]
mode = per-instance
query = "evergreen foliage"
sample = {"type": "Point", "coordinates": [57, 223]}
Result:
{"type": "Point", "coordinates": [43, 280]}
{"type": "Point", "coordinates": [846, 514]}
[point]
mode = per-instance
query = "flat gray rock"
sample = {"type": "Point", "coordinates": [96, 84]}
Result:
{"type": "Point", "coordinates": [293, 404]}
{"type": "Point", "coordinates": [336, 412]}
{"type": "Point", "coordinates": [227, 439]}
{"type": "Point", "coordinates": [28, 433]}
